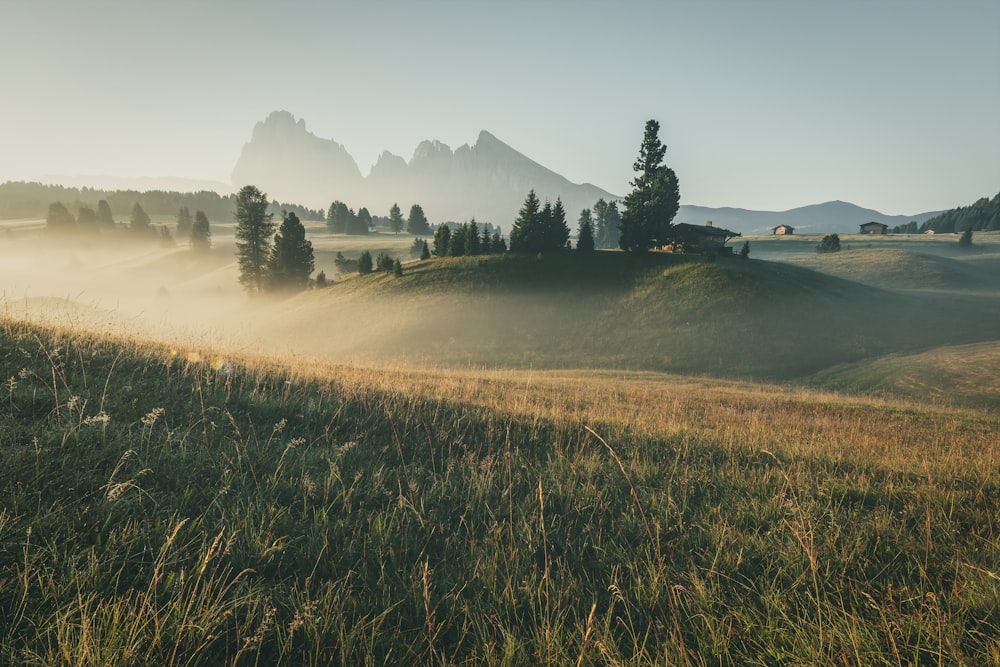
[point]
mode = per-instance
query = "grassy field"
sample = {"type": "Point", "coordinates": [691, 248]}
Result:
{"type": "Point", "coordinates": [523, 470]}
{"type": "Point", "coordinates": [178, 508]}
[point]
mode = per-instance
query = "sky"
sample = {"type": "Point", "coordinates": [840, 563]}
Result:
{"type": "Point", "coordinates": [891, 105]}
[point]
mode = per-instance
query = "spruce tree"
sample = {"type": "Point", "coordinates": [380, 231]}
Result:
{"type": "Point", "coordinates": [585, 237]}
{"type": "Point", "coordinates": [183, 222]}
{"type": "Point", "coordinates": [606, 224]}
{"type": "Point", "coordinates": [425, 252]}
{"type": "Point", "coordinates": [139, 221]}
{"type": "Point", "coordinates": [442, 240]}
{"type": "Point", "coordinates": [86, 219]}
{"type": "Point", "coordinates": [253, 237]}
{"type": "Point", "coordinates": [291, 262]}
{"type": "Point", "coordinates": [654, 200]}
{"type": "Point", "coordinates": [397, 267]}
{"type": "Point", "coordinates": [472, 246]}
{"type": "Point", "coordinates": [104, 217]}
{"type": "Point", "coordinates": [200, 235]}
{"type": "Point", "coordinates": [395, 219]}
{"type": "Point", "coordinates": [486, 242]}
{"type": "Point", "coordinates": [59, 220]}
{"type": "Point", "coordinates": [557, 231]}
{"type": "Point", "coordinates": [526, 233]}
{"type": "Point", "coordinates": [365, 263]}
{"type": "Point", "coordinates": [417, 222]}
{"type": "Point", "coordinates": [458, 246]}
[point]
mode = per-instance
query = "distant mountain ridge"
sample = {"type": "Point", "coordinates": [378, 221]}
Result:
{"type": "Point", "coordinates": [487, 180]}
{"type": "Point", "coordinates": [833, 217]}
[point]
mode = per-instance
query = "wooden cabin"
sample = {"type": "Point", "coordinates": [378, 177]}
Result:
{"type": "Point", "coordinates": [783, 230]}
{"type": "Point", "coordinates": [706, 240]}
{"type": "Point", "coordinates": [874, 228]}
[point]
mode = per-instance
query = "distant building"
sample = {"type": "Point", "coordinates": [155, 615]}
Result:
{"type": "Point", "coordinates": [874, 228]}
{"type": "Point", "coordinates": [783, 230]}
{"type": "Point", "coordinates": [707, 240]}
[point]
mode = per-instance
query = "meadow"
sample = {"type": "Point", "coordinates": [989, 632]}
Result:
{"type": "Point", "coordinates": [184, 504]}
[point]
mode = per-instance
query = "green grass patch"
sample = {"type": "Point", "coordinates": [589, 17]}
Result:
{"type": "Point", "coordinates": [179, 510]}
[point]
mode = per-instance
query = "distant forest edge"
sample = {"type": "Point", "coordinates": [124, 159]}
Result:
{"type": "Point", "coordinates": [32, 200]}
{"type": "Point", "coordinates": [984, 215]}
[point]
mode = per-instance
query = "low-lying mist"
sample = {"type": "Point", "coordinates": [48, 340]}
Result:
{"type": "Point", "coordinates": [663, 313]}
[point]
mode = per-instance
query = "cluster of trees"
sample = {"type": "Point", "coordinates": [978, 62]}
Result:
{"type": "Point", "coordinates": [384, 262]}
{"type": "Point", "coordinates": [340, 219]}
{"type": "Point", "coordinates": [644, 224]}
{"type": "Point", "coordinates": [469, 238]}
{"type": "Point", "coordinates": [60, 222]}
{"type": "Point", "coordinates": [196, 230]}
{"type": "Point", "coordinates": [982, 216]}
{"type": "Point", "coordinates": [539, 228]}
{"type": "Point", "coordinates": [282, 264]}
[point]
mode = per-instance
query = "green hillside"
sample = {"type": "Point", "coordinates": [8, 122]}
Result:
{"type": "Point", "coordinates": [905, 269]}
{"type": "Point", "coordinates": [164, 509]}
{"type": "Point", "coordinates": [660, 312]}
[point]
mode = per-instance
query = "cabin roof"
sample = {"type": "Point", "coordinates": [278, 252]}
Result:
{"type": "Point", "coordinates": [705, 230]}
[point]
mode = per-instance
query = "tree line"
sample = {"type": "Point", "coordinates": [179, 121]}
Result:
{"type": "Point", "coordinates": [340, 219]}
{"type": "Point", "coordinates": [31, 200]}
{"type": "Point", "coordinates": [983, 215]}
{"type": "Point", "coordinates": [60, 222]}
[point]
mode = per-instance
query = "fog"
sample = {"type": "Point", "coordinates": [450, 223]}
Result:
{"type": "Point", "coordinates": [730, 318]}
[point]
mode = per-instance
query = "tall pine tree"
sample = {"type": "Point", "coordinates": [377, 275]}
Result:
{"type": "Point", "coordinates": [585, 236]}
{"type": "Point", "coordinates": [291, 262]}
{"type": "Point", "coordinates": [254, 228]}
{"type": "Point", "coordinates": [654, 199]}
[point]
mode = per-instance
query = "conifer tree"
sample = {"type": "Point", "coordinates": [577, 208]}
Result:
{"type": "Point", "coordinates": [425, 252]}
{"type": "Point", "coordinates": [139, 221]}
{"type": "Point", "coordinates": [585, 236]}
{"type": "Point", "coordinates": [291, 261]}
{"type": "Point", "coordinates": [59, 220]}
{"type": "Point", "coordinates": [458, 246]}
{"type": "Point", "coordinates": [86, 219]}
{"type": "Point", "coordinates": [104, 217]}
{"type": "Point", "coordinates": [557, 231]}
{"type": "Point", "coordinates": [200, 235]}
{"type": "Point", "coordinates": [395, 219]}
{"type": "Point", "coordinates": [365, 263]}
{"type": "Point", "coordinates": [606, 224]}
{"type": "Point", "coordinates": [253, 237]}
{"type": "Point", "coordinates": [472, 246]}
{"type": "Point", "coordinates": [486, 242]}
{"type": "Point", "coordinates": [442, 240]}
{"type": "Point", "coordinates": [183, 222]}
{"type": "Point", "coordinates": [526, 233]}
{"type": "Point", "coordinates": [655, 197]}
{"type": "Point", "coordinates": [417, 222]}
{"type": "Point", "coordinates": [397, 267]}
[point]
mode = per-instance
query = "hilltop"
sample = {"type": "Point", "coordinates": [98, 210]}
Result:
{"type": "Point", "coordinates": [660, 312]}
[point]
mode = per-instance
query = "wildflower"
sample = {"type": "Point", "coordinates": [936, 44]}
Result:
{"type": "Point", "coordinates": [100, 418]}
{"type": "Point", "coordinates": [280, 426]}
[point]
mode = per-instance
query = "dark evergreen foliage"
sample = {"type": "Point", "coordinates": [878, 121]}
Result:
{"type": "Point", "coordinates": [585, 235]}
{"type": "Point", "coordinates": [396, 222]}
{"type": "Point", "coordinates": [654, 200]}
{"type": "Point", "coordinates": [745, 250]}
{"type": "Point", "coordinates": [139, 221]}
{"type": "Point", "coordinates": [383, 262]}
{"type": "Point", "coordinates": [417, 222]}
{"type": "Point", "coordinates": [397, 267]}
{"type": "Point", "coordinates": [184, 222]}
{"type": "Point", "coordinates": [86, 219]}
{"type": "Point", "coordinates": [104, 217]}
{"type": "Point", "coordinates": [291, 261]}
{"type": "Point", "coordinates": [983, 215]}
{"type": "Point", "coordinates": [365, 263]}
{"type": "Point", "coordinates": [254, 228]}
{"type": "Point", "coordinates": [321, 279]}
{"type": "Point", "coordinates": [425, 251]}
{"type": "Point", "coordinates": [59, 220]}
{"type": "Point", "coordinates": [200, 235]}
{"type": "Point", "coordinates": [830, 243]}
{"type": "Point", "coordinates": [965, 242]}
{"type": "Point", "coordinates": [345, 265]}
{"type": "Point", "coordinates": [442, 240]}
{"type": "Point", "coordinates": [607, 224]}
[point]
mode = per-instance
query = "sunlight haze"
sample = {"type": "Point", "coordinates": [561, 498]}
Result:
{"type": "Point", "coordinates": [765, 105]}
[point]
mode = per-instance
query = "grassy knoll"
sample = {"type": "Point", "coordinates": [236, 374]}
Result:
{"type": "Point", "coordinates": [177, 508]}
{"type": "Point", "coordinates": [661, 312]}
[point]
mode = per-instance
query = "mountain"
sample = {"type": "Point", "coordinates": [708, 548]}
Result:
{"type": "Point", "coordinates": [290, 163]}
{"type": "Point", "coordinates": [488, 180]}
{"type": "Point", "coordinates": [831, 217]}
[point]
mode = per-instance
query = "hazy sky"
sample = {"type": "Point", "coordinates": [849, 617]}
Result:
{"type": "Point", "coordinates": [766, 105]}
